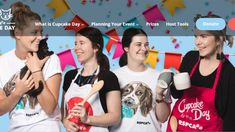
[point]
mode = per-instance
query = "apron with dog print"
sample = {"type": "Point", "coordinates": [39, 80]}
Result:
{"type": "Point", "coordinates": [196, 110]}
{"type": "Point", "coordinates": [75, 95]}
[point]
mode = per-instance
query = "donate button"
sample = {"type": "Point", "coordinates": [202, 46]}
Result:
{"type": "Point", "coordinates": [210, 24]}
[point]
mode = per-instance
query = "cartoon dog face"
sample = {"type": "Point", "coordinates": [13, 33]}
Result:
{"type": "Point", "coordinates": [137, 95]}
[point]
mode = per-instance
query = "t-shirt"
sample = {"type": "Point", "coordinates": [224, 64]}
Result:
{"type": "Point", "coordinates": [225, 90]}
{"type": "Point", "coordinates": [27, 111]}
{"type": "Point", "coordinates": [138, 100]}
{"type": "Point", "coordinates": [110, 84]}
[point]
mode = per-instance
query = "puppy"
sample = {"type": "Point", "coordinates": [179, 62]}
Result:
{"type": "Point", "coordinates": [137, 95]}
{"type": "Point", "coordinates": [42, 53]}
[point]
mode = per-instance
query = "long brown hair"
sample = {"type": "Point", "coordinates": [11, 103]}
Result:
{"type": "Point", "coordinates": [95, 36]}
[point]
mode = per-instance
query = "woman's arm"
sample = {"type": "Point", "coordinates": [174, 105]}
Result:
{"type": "Point", "coordinates": [113, 116]}
{"type": "Point", "coordinates": [162, 108]}
{"type": "Point", "coordinates": [48, 98]}
{"type": "Point", "coordinates": [186, 65]}
{"type": "Point", "coordinates": [69, 126]}
{"type": "Point", "coordinates": [7, 103]}
{"type": "Point", "coordinates": [62, 107]}
{"type": "Point", "coordinates": [229, 114]}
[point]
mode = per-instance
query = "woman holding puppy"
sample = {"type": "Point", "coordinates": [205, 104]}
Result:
{"type": "Point", "coordinates": [29, 113]}
{"type": "Point", "coordinates": [143, 107]}
{"type": "Point", "coordinates": [102, 109]}
{"type": "Point", "coordinates": [208, 105]}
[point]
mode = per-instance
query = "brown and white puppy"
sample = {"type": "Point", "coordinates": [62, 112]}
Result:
{"type": "Point", "coordinates": [137, 95]}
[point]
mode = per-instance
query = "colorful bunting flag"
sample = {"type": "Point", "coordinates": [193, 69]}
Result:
{"type": "Point", "coordinates": [60, 7]}
{"type": "Point", "coordinates": [135, 23]}
{"type": "Point", "coordinates": [77, 24]}
{"type": "Point", "coordinates": [106, 39]}
{"type": "Point", "coordinates": [114, 38]}
{"type": "Point", "coordinates": [171, 5]}
{"type": "Point", "coordinates": [153, 15]}
{"type": "Point", "coordinates": [66, 58]}
{"type": "Point", "coordinates": [151, 58]}
{"type": "Point", "coordinates": [118, 51]}
{"type": "Point", "coordinates": [172, 60]}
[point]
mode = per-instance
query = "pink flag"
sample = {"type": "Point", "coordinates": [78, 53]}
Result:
{"type": "Point", "coordinates": [153, 15]}
{"type": "Point", "coordinates": [66, 58]}
{"type": "Point", "coordinates": [118, 51]}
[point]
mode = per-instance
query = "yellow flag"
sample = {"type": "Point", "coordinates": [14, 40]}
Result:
{"type": "Point", "coordinates": [60, 7]}
{"type": "Point", "coordinates": [171, 5]}
{"type": "Point", "coordinates": [152, 58]}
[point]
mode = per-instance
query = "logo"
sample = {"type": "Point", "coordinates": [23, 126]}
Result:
{"type": "Point", "coordinates": [5, 14]}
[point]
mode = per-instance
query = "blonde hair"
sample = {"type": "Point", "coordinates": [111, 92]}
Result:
{"type": "Point", "coordinates": [22, 15]}
{"type": "Point", "coordinates": [230, 39]}
{"type": "Point", "coordinates": [217, 33]}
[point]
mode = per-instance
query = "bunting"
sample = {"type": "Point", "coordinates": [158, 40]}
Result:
{"type": "Point", "coordinates": [151, 58]}
{"type": "Point", "coordinates": [60, 7]}
{"type": "Point", "coordinates": [136, 23]}
{"type": "Point", "coordinates": [172, 60]}
{"type": "Point", "coordinates": [114, 39]}
{"type": "Point", "coordinates": [77, 24]}
{"type": "Point", "coordinates": [66, 58]}
{"type": "Point", "coordinates": [118, 51]}
{"type": "Point", "coordinates": [171, 5]}
{"type": "Point", "coordinates": [153, 15]}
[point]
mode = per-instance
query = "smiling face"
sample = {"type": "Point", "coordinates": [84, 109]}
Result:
{"type": "Point", "coordinates": [83, 49]}
{"type": "Point", "coordinates": [206, 43]}
{"type": "Point", "coordinates": [138, 49]}
{"type": "Point", "coordinates": [29, 37]}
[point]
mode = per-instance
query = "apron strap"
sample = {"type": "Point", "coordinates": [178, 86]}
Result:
{"type": "Point", "coordinates": [79, 72]}
{"type": "Point", "coordinates": [194, 68]}
{"type": "Point", "coordinates": [217, 75]}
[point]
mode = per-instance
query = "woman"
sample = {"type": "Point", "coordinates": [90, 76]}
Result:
{"type": "Point", "coordinates": [208, 104]}
{"type": "Point", "coordinates": [102, 109]}
{"type": "Point", "coordinates": [143, 107]}
{"type": "Point", "coordinates": [29, 113]}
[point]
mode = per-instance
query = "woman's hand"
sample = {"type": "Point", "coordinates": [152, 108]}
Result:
{"type": "Point", "coordinates": [70, 126]}
{"type": "Point", "coordinates": [34, 63]}
{"type": "Point", "coordinates": [79, 110]}
{"type": "Point", "coordinates": [24, 85]}
{"type": "Point", "coordinates": [159, 92]}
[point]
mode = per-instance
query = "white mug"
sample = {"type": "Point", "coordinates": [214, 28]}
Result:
{"type": "Point", "coordinates": [165, 78]}
{"type": "Point", "coordinates": [182, 81]}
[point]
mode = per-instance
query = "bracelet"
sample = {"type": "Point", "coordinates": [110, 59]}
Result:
{"type": "Point", "coordinates": [159, 100]}
{"type": "Point", "coordinates": [36, 71]}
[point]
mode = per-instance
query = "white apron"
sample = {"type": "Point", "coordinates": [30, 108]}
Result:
{"type": "Point", "coordinates": [76, 94]}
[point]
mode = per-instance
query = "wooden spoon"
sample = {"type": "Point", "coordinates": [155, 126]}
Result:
{"type": "Point", "coordinates": [95, 88]}
{"type": "Point", "coordinates": [173, 124]}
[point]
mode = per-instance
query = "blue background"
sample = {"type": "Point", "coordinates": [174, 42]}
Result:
{"type": "Point", "coordinates": [58, 44]}
{"type": "Point", "coordinates": [109, 11]}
